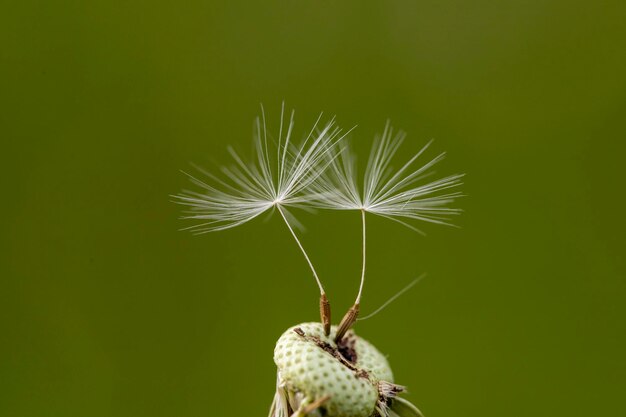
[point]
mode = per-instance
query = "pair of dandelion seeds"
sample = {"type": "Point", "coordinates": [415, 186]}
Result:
{"type": "Point", "coordinates": [324, 370]}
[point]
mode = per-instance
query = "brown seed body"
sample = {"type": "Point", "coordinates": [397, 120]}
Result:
{"type": "Point", "coordinates": [346, 323]}
{"type": "Point", "coordinates": [325, 313]}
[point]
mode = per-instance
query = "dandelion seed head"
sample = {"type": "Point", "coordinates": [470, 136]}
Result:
{"type": "Point", "coordinates": [324, 370]}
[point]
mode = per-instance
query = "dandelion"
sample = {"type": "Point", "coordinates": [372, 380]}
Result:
{"type": "Point", "coordinates": [324, 370]}
{"type": "Point", "coordinates": [277, 177]}
{"type": "Point", "coordinates": [401, 195]}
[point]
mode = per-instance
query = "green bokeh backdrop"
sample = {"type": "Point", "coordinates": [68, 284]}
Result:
{"type": "Point", "coordinates": [106, 309]}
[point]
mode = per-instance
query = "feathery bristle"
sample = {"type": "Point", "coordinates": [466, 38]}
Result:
{"type": "Point", "coordinates": [400, 195]}
{"type": "Point", "coordinates": [278, 174]}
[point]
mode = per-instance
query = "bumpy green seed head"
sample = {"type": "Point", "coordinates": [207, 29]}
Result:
{"type": "Point", "coordinates": [313, 366]}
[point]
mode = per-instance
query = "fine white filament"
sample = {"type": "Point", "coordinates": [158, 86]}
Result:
{"type": "Point", "coordinates": [393, 298]}
{"type": "Point", "coordinates": [319, 283]}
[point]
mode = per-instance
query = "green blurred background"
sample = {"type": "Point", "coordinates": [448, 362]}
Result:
{"type": "Point", "coordinates": [108, 310]}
